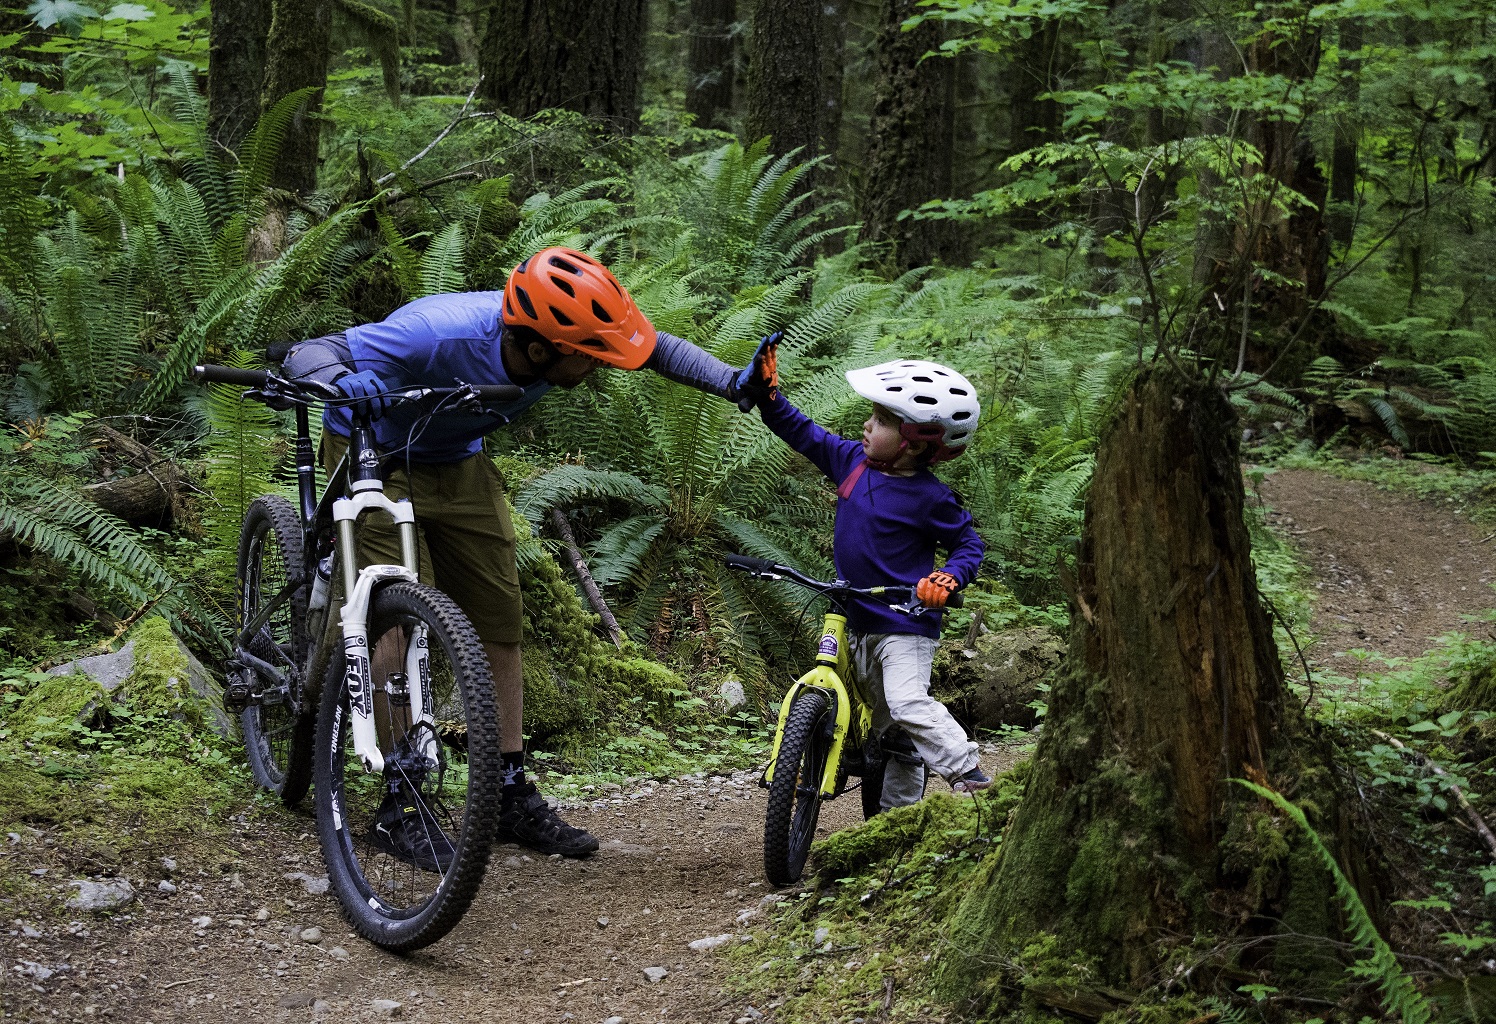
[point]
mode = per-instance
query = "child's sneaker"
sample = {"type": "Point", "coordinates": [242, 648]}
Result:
{"type": "Point", "coordinates": [972, 781]}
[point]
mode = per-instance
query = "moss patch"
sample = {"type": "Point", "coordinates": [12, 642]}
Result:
{"type": "Point", "coordinates": [874, 918]}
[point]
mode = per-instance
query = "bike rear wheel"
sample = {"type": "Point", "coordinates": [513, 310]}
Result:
{"type": "Point", "coordinates": [795, 792]}
{"type": "Point", "coordinates": [277, 734]}
{"type": "Point", "coordinates": [393, 902]}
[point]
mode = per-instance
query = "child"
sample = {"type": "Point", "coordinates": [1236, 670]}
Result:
{"type": "Point", "coordinates": [891, 515]}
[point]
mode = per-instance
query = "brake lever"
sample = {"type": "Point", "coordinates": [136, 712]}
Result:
{"type": "Point", "coordinates": [913, 609]}
{"type": "Point", "coordinates": [272, 397]}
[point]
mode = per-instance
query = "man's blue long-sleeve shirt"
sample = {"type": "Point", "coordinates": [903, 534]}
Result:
{"type": "Point", "coordinates": [440, 340]}
{"type": "Point", "coordinates": [887, 527]}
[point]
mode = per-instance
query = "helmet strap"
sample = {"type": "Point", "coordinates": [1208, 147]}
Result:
{"type": "Point", "coordinates": [886, 465]}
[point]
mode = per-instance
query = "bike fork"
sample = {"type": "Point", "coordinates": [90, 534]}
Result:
{"type": "Point", "coordinates": [414, 688]}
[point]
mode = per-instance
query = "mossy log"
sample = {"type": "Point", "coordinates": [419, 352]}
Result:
{"type": "Point", "coordinates": [1131, 837]}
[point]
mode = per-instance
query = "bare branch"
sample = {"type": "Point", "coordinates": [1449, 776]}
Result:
{"type": "Point", "coordinates": [461, 116]}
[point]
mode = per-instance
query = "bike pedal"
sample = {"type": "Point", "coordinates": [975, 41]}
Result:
{"type": "Point", "coordinates": [238, 696]}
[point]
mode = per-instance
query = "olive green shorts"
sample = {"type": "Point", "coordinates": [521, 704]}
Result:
{"type": "Point", "coordinates": [465, 533]}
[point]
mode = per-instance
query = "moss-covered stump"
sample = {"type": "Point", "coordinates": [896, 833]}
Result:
{"type": "Point", "coordinates": [1131, 841]}
{"type": "Point", "coordinates": [993, 682]}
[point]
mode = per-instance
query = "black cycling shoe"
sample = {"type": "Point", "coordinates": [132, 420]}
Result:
{"type": "Point", "coordinates": [529, 821]}
{"type": "Point", "coordinates": [406, 828]}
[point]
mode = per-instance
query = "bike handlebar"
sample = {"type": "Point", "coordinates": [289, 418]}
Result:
{"type": "Point", "coordinates": [889, 595]}
{"type": "Point", "coordinates": [231, 375]}
{"type": "Point", "coordinates": [316, 391]}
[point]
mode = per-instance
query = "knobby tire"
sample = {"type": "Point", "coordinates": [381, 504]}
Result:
{"type": "Point", "coordinates": [277, 740]}
{"type": "Point", "coordinates": [794, 795]}
{"type": "Point", "coordinates": [389, 902]}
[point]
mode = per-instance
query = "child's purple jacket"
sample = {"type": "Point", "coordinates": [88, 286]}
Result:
{"type": "Point", "coordinates": [887, 527]}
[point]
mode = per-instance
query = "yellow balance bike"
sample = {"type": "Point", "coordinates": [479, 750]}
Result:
{"type": "Point", "coordinates": [825, 730]}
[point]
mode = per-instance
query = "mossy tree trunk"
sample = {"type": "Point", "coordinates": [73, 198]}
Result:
{"type": "Point", "coordinates": [573, 54]}
{"type": "Point", "coordinates": [296, 58]}
{"type": "Point", "coordinates": [909, 142]}
{"type": "Point", "coordinates": [784, 76]}
{"type": "Point", "coordinates": [237, 37]}
{"type": "Point", "coordinates": [1131, 837]}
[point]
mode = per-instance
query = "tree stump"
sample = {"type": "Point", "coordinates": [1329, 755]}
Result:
{"type": "Point", "coordinates": [1131, 838]}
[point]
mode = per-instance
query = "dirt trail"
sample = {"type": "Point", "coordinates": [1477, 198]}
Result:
{"type": "Point", "coordinates": [1392, 572]}
{"type": "Point", "coordinates": [680, 860]}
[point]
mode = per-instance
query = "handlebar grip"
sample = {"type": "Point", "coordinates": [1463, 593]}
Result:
{"type": "Point", "coordinates": [499, 392]}
{"type": "Point", "coordinates": [231, 375]}
{"type": "Point", "coordinates": [749, 564]}
{"type": "Point", "coordinates": [955, 601]}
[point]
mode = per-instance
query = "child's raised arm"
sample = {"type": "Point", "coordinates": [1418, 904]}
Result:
{"type": "Point", "coordinates": [835, 456]}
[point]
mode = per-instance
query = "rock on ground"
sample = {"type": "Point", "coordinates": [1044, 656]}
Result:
{"type": "Point", "coordinates": [101, 896]}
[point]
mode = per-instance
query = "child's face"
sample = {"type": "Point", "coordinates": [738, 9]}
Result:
{"type": "Point", "coordinates": [881, 439]}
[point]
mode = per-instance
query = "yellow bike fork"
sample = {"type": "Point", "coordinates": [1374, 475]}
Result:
{"type": "Point", "coordinates": [827, 676]}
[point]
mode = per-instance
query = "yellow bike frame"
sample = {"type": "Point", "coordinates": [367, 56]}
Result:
{"type": "Point", "coordinates": [831, 668]}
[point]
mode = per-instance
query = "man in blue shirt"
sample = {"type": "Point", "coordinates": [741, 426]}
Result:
{"type": "Point", "coordinates": [560, 317]}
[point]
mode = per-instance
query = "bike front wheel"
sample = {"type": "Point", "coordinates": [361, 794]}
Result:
{"type": "Point", "coordinates": [795, 792]}
{"type": "Point", "coordinates": [404, 897]}
{"type": "Point", "coordinates": [277, 732]}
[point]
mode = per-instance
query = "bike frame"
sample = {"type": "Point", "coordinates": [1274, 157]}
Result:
{"type": "Point", "coordinates": [359, 473]}
{"type": "Point", "coordinates": [832, 667]}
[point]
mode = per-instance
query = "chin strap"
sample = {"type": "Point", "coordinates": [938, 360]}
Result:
{"type": "Point", "coordinates": [881, 465]}
{"type": "Point", "coordinates": [886, 465]}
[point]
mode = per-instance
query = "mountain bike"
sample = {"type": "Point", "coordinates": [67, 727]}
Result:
{"type": "Point", "coordinates": [824, 734]}
{"type": "Point", "coordinates": [365, 682]}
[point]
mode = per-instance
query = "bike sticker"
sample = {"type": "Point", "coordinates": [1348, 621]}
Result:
{"type": "Point", "coordinates": [828, 645]}
{"type": "Point", "coordinates": [356, 678]}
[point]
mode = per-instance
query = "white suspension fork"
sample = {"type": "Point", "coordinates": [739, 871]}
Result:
{"type": "Point", "coordinates": [358, 585]}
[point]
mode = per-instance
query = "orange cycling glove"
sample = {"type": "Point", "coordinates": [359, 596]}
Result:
{"type": "Point", "coordinates": [935, 589]}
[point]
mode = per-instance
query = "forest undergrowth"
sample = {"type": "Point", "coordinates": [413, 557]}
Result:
{"type": "Point", "coordinates": [859, 940]}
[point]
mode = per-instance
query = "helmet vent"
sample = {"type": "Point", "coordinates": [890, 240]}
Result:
{"type": "Point", "coordinates": [960, 414]}
{"type": "Point", "coordinates": [593, 343]}
{"type": "Point", "coordinates": [565, 286]}
{"type": "Point", "coordinates": [562, 318]}
{"type": "Point", "coordinates": [960, 391]}
{"type": "Point", "coordinates": [922, 379]}
{"type": "Point", "coordinates": [526, 304]}
{"type": "Point", "coordinates": [600, 313]}
{"type": "Point", "coordinates": [926, 400]}
{"type": "Point", "coordinates": [522, 267]}
{"type": "Point", "coordinates": [894, 390]}
{"type": "Point", "coordinates": [561, 264]}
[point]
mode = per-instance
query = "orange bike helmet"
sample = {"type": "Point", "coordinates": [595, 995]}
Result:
{"type": "Point", "coordinates": [578, 305]}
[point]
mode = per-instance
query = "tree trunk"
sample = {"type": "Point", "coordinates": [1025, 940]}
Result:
{"type": "Point", "coordinates": [572, 54]}
{"type": "Point", "coordinates": [1343, 156]}
{"type": "Point", "coordinates": [910, 143]}
{"type": "Point", "coordinates": [784, 76]}
{"type": "Point", "coordinates": [296, 58]}
{"type": "Point", "coordinates": [237, 36]}
{"type": "Point", "coordinates": [834, 18]}
{"type": "Point", "coordinates": [709, 61]}
{"type": "Point", "coordinates": [1131, 837]}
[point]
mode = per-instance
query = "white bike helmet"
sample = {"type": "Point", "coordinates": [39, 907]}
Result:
{"type": "Point", "coordinates": [937, 404]}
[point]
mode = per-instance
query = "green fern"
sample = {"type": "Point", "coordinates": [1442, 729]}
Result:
{"type": "Point", "coordinates": [1399, 995]}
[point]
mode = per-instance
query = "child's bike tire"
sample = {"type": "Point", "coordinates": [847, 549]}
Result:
{"type": "Point", "coordinates": [387, 901]}
{"type": "Point", "coordinates": [277, 739]}
{"type": "Point", "coordinates": [795, 793]}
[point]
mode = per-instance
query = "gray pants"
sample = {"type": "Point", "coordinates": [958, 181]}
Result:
{"type": "Point", "coordinates": [894, 669]}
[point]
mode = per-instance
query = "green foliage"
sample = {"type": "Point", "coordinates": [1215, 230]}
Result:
{"type": "Point", "coordinates": [1399, 994]}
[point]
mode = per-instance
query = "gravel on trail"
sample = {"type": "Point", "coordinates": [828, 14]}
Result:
{"type": "Point", "coordinates": [247, 930]}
